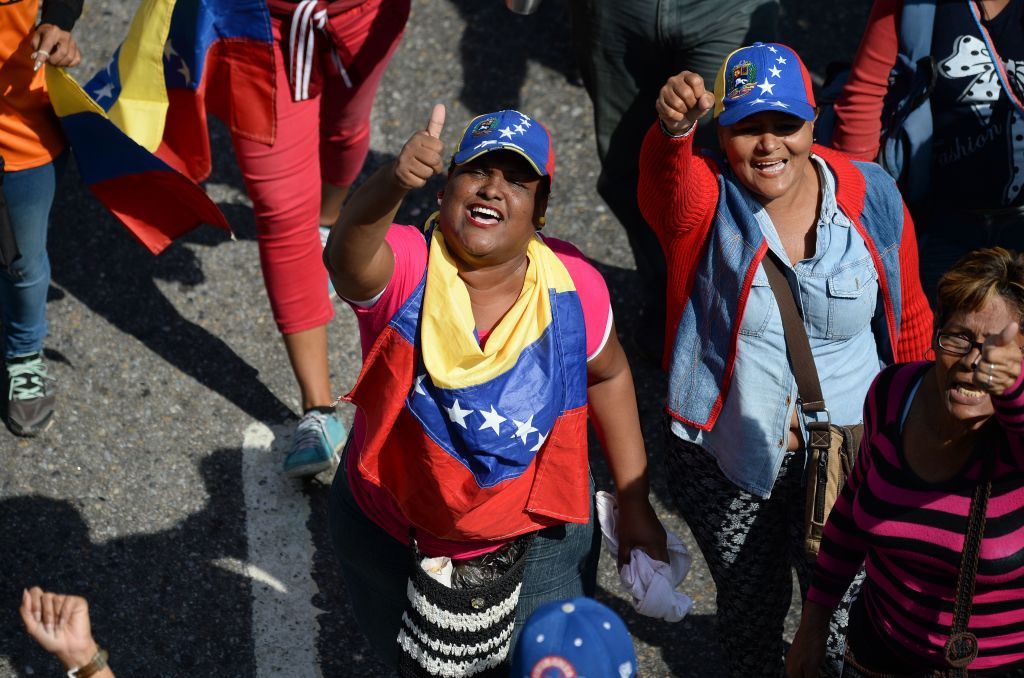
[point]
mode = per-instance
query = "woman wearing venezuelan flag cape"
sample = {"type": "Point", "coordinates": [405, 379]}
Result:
{"type": "Point", "coordinates": [485, 346]}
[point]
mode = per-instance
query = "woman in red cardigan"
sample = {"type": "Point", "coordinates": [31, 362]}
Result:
{"type": "Point", "coordinates": [846, 244]}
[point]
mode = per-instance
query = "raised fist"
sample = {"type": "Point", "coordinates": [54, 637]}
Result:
{"type": "Point", "coordinates": [682, 101]}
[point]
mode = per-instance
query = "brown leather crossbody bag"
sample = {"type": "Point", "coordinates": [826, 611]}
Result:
{"type": "Point", "coordinates": [831, 448]}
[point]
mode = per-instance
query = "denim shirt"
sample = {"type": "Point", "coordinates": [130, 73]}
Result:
{"type": "Point", "coordinates": [837, 292]}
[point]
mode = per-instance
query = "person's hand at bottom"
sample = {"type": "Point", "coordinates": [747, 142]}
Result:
{"type": "Point", "coordinates": [60, 624]}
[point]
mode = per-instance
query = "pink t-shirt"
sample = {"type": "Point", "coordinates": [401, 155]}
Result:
{"type": "Point", "coordinates": [410, 248]}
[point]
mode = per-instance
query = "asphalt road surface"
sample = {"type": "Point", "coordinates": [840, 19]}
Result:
{"type": "Point", "coordinates": [157, 492]}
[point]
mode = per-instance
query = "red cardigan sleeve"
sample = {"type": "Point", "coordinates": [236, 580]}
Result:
{"type": "Point", "coordinates": [915, 332]}
{"type": "Point", "coordinates": [677, 193]}
{"type": "Point", "coordinates": [859, 108]}
{"type": "Point", "coordinates": [677, 189]}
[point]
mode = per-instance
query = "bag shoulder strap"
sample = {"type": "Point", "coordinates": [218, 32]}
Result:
{"type": "Point", "coordinates": [798, 346]}
{"type": "Point", "coordinates": [962, 646]}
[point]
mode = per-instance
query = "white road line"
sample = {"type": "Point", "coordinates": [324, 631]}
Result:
{"type": "Point", "coordinates": [284, 623]}
{"type": "Point", "coordinates": [280, 560]}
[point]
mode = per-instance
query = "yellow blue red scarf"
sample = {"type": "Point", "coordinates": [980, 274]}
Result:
{"type": "Point", "coordinates": [480, 443]}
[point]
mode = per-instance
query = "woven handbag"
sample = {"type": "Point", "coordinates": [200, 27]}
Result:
{"type": "Point", "coordinates": [454, 632]}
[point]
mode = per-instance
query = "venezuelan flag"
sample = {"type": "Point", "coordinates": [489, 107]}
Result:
{"type": "Point", "coordinates": [480, 443]}
{"type": "Point", "coordinates": [131, 88]}
{"type": "Point", "coordinates": [114, 126]}
{"type": "Point", "coordinates": [218, 57]}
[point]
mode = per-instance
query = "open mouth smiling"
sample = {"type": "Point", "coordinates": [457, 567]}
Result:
{"type": "Point", "coordinates": [769, 167]}
{"type": "Point", "coordinates": [484, 216]}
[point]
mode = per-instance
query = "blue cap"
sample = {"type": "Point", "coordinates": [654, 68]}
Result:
{"type": "Point", "coordinates": [763, 77]}
{"type": "Point", "coordinates": [579, 637]}
{"type": "Point", "coordinates": [511, 131]}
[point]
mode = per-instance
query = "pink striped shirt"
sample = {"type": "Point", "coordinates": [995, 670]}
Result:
{"type": "Point", "coordinates": [909, 534]}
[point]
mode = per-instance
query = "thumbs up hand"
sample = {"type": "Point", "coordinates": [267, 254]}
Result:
{"type": "Point", "coordinates": [420, 158]}
{"type": "Point", "coordinates": [682, 101]}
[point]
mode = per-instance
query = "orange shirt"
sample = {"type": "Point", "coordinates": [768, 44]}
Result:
{"type": "Point", "coordinates": [30, 135]}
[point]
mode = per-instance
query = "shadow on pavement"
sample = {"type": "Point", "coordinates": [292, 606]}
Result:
{"type": "Point", "coordinates": [158, 603]}
{"type": "Point", "coordinates": [96, 261]}
{"type": "Point", "coordinates": [687, 647]}
{"type": "Point", "coordinates": [495, 62]}
{"type": "Point", "coordinates": [342, 648]}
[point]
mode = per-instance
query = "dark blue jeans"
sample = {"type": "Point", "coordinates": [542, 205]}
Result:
{"type": "Point", "coordinates": [23, 288]}
{"type": "Point", "coordinates": [562, 563]}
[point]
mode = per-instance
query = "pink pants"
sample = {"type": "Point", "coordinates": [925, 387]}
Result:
{"type": "Point", "coordinates": [323, 139]}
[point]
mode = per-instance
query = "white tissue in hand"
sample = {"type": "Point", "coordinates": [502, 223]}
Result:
{"type": "Point", "coordinates": [648, 581]}
{"type": "Point", "coordinates": [439, 568]}
{"type": "Point", "coordinates": [651, 583]}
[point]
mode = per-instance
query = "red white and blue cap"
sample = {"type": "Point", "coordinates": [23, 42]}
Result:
{"type": "Point", "coordinates": [507, 130]}
{"type": "Point", "coordinates": [578, 637]}
{"type": "Point", "coordinates": [763, 77]}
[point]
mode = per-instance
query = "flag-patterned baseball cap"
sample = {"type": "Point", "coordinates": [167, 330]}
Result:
{"type": "Point", "coordinates": [508, 130]}
{"type": "Point", "coordinates": [763, 77]}
{"type": "Point", "coordinates": [578, 637]}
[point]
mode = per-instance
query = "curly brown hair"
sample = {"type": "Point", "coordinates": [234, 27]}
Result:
{"type": "Point", "coordinates": [976, 278]}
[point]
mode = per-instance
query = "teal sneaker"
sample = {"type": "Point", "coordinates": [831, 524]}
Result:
{"type": "Point", "coordinates": [316, 442]}
{"type": "Point", "coordinates": [29, 398]}
{"type": "Point", "coordinates": [324, 232]}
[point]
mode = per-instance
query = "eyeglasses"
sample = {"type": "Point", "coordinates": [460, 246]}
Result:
{"type": "Point", "coordinates": [957, 344]}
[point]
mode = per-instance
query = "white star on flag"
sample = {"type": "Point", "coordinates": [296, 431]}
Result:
{"type": "Point", "coordinates": [766, 87]}
{"type": "Point", "coordinates": [170, 53]}
{"type": "Point", "coordinates": [492, 420]}
{"type": "Point", "coordinates": [520, 129]}
{"type": "Point", "coordinates": [525, 122]}
{"type": "Point", "coordinates": [507, 132]}
{"type": "Point", "coordinates": [758, 100]}
{"type": "Point", "coordinates": [418, 387]}
{"type": "Point", "coordinates": [774, 70]}
{"type": "Point", "coordinates": [109, 72]}
{"type": "Point", "coordinates": [780, 104]}
{"type": "Point", "coordinates": [524, 428]}
{"type": "Point", "coordinates": [772, 49]}
{"type": "Point", "coordinates": [485, 142]}
{"type": "Point", "coordinates": [781, 60]}
{"type": "Point", "coordinates": [105, 92]}
{"type": "Point", "coordinates": [540, 441]}
{"type": "Point", "coordinates": [458, 415]}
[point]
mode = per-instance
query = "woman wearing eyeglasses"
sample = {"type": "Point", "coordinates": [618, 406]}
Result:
{"type": "Point", "coordinates": [942, 440]}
